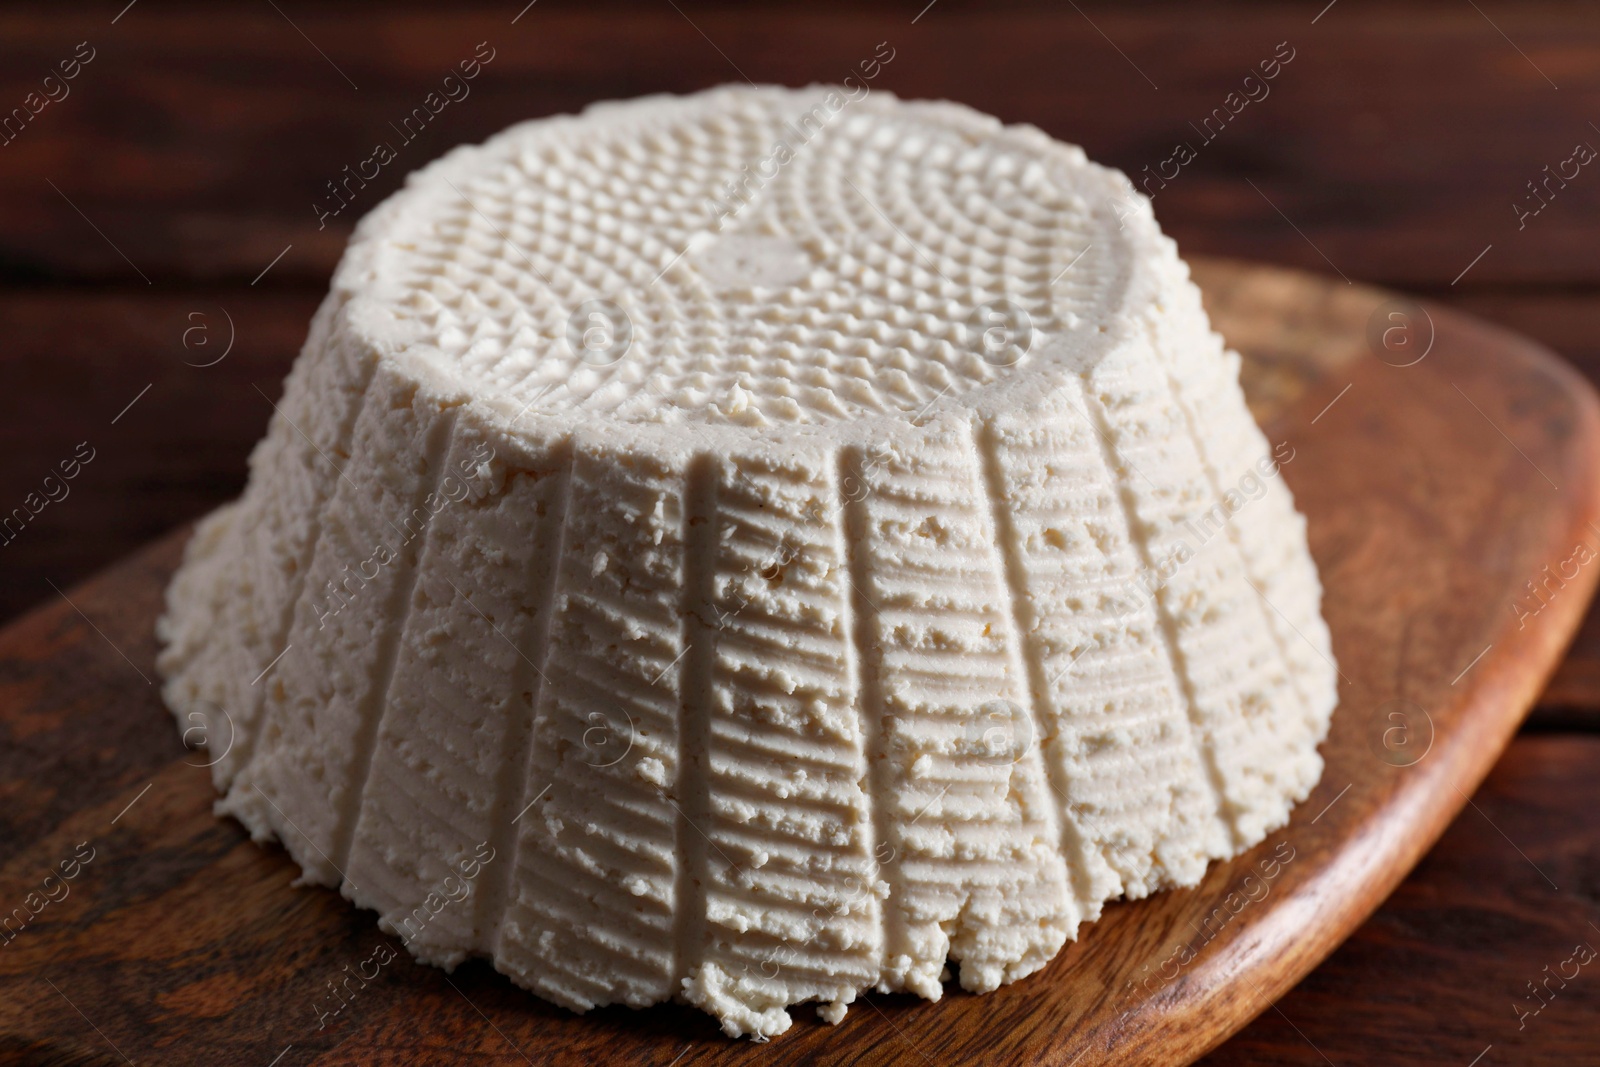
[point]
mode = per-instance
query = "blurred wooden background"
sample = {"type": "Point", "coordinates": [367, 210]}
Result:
{"type": "Point", "coordinates": [163, 204]}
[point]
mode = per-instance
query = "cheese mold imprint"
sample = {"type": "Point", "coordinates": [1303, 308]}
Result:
{"type": "Point", "coordinates": [784, 543]}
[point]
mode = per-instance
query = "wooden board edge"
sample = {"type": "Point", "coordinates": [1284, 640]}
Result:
{"type": "Point", "coordinates": [1495, 707]}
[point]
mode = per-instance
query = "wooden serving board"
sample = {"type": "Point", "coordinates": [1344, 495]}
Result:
{"type": "Point", "coordinates": [1436, 492]}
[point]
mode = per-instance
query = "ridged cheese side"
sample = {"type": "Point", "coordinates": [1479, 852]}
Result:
{"type": "Point", "coordinates": [451, 756]}
{"type": "Point", "coordinates": [590, 918]}
{"type": "Point", "coordinates": [793, 897]}
{"type": "Point", "coordinates": [1225, 652]}
{"type": "Point", "coordinates": [320, 714]}
{"type": "Point", "coordinates": [973, 859]}
{"type": "Point", "coordinates": [230, 608]}
{"type": "Point", "coordinates": [1136, 796]}
{"type": "Point", "coordinates": [1245, 472]}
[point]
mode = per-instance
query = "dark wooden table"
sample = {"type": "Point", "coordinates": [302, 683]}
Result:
{"type": "Point", "coordinates": [162, 209]}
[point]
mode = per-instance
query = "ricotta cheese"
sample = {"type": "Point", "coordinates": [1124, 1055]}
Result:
{"type": "Point", "coordinates": [783, 545]}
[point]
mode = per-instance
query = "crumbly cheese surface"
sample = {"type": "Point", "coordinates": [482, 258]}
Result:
{"type": "Point", "coordinates": [755, 548]}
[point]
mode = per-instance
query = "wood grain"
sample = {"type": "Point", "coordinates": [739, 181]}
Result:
{"type": "Point", "coordinates": [1441, 971]}
{"type": "Point", "coordinates": [182, 941]}
{"type": "Point", "coordinates": [74, 362]}
{"type": "Point", "coordinates": [1392, 147]}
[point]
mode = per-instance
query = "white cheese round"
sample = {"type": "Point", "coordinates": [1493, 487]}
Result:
{"type": "Point", "coordinates": [753, 548]}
